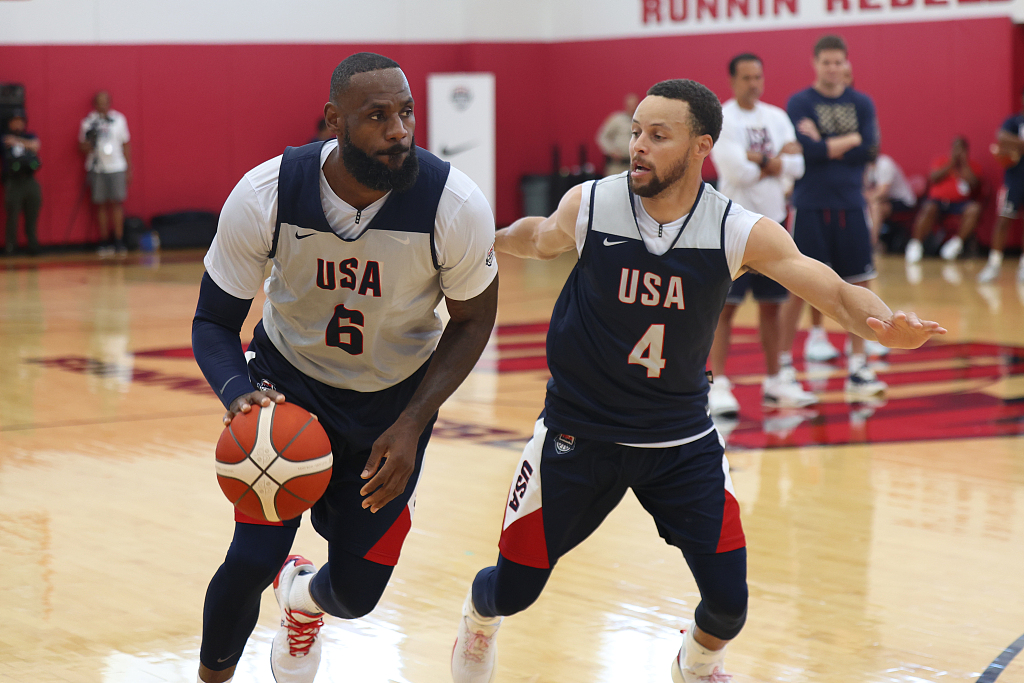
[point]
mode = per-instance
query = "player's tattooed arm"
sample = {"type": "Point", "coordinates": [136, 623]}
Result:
{"type": "Point", "coordinates": [543, 238]}
{"type": "Point", "coordinates": [771, 251]}
{"type": "Point", "coordinates": [458, 350]}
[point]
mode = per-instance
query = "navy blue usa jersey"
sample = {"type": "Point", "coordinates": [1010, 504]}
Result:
{"type": "Point", "coordinates": [631, 331]}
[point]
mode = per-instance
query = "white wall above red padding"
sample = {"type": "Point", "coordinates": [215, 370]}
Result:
{"type": "Point", "coordinates": [52, 22]}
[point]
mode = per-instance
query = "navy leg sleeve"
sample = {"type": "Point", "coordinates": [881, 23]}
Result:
{"type": "Point", "coordinates": [507, 588]}
{"type": "Point", "coordinates": [349, 586]}
{"type": "Point", "coordinates": [722, 580]}
{"type": "Point", "coordinates": [233, 598]}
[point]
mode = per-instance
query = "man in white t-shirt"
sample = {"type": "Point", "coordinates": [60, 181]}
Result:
{"type": "Point", "coordinates": [887, 191]}
{"type": "Point", "coordinates": [757, 158]}
{"type": "Point", "coordinates": [104, 138]}
{"type": "Point", "coordinates": [613, 136]}
{"type": "Point", "coordinates": [366, 234]}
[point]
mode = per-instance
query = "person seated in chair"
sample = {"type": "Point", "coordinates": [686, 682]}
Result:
{"type": "Point", "coordinates": [887, 191]}
{"type": "Point", "coordinates": [953, 184]}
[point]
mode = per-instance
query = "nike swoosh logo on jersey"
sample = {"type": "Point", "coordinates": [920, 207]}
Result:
{"type": "Point", "coordinates": [302, 237]}
{"type": "Point", "coordinates": [403, 241]}
{"type": "Point", "coordinates": [612, 244]}
{"type": "Point", "coordinates": [447, 151]}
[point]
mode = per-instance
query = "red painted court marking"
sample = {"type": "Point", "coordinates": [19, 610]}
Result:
{"type": "Point", "coordinates": [923, 415]}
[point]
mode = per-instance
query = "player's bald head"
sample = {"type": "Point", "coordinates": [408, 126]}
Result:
{"type": "Point", "coordinates": [360, 62]}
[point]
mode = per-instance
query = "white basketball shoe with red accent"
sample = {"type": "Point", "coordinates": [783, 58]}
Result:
{"type": "Point", "coordinates": [295, 654]}
{"type": "Point", "coordinates": [475, 654]}
{"type": "Point", "coordinates": [697, 664]}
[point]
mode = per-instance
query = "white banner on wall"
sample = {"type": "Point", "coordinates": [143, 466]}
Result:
{"type": "Point", "coordinates": [460, 125]}
{"type": "Point", "coordinates": [56, 22]}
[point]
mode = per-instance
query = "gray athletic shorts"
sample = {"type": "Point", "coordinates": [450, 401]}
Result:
{"type": "Point", "coordinates": [108, 187]}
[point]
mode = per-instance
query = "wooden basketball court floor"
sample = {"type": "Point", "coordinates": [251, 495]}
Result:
{"type": "Point", "coordinates": [886, 541]}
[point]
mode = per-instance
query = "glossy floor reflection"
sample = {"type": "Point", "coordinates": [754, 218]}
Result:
{"type": "Point", "coordinates": [895, 557]}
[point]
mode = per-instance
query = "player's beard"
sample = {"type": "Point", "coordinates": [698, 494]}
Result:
{"type": "Point", "coordinates": [657, 184]}
{"type": "Point", "coordinates": [375, 174]}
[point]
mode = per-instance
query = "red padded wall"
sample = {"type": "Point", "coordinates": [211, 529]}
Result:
{"type": "Point", "coordinates": [201, 115]}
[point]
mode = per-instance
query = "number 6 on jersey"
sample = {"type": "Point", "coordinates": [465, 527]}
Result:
{"type": "Point", "coordinates": [650, 344]}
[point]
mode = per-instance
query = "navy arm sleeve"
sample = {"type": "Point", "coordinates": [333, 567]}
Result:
{"type": "Point", "coordinates": [216, 343]}
{"type": "Point", "coordinates": [800, 108]}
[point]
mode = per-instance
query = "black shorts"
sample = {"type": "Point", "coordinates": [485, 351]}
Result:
{"type": "Point", "coordinates": [1011, 198]}
{"type": "Point", "coordinates": [765, 289]}
{"type": "Point", "coordinates": [353, 420]}
{"type": "Point", "coordinates": [564, 486]}
{"type": "Point", "coordinates": [839, 238]}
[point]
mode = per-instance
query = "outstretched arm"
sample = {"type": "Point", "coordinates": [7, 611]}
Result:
{"type": "Point", "coordinates": [771, 251]}
{"type": "Point", "coordinates": [542, 238]}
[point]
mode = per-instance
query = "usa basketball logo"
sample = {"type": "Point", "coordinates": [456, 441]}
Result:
{"type": "Point", "coordinates": [462, 98]}
{"type": "Point", "coordinates": [266, 385]}
{"type": "Point", "coordinates": [564, 443]}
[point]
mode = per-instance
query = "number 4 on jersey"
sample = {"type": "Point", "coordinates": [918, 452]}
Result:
{"type": "Point", "coordinates": [647, 351]}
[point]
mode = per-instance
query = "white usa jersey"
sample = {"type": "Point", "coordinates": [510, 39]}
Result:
{"type": "Point", "coordinates": [351, 294]}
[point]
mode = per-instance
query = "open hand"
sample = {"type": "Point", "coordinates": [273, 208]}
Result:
{"type": "Point", "coordinates": [904, 330]}
{"type": "Point", "coordinates": [397, 448]}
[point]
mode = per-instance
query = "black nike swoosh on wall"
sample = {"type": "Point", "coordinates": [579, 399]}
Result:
{"type": "Point", "coordinates": [447, 151]}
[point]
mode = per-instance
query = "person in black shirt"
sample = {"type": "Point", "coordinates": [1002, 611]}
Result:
{"type": "Point", "coordinates": [22, 193]}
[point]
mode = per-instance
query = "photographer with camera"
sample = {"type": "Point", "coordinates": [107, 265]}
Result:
{"type": "Point", "coordinates": [104, 138]}
{"type": "Point", "coordinates": [22, 193]}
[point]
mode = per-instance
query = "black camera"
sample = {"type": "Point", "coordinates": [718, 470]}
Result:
{"type": "Point", "coordinates": [93, 134]}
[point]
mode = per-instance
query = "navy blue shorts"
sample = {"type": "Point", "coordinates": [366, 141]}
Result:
{"type": "Point", "coordinates": [839, 238]}
{"type": "Point", "coordinates": [353, 420]}
{"type": "Point", "coordinates": [948, 208]}
{"type": "Point", "coordinates": [1011, 198]}
{"type": "Point", "coordinates": [765, 289]}
{"type": "Point", "coordinates": [564, 486]}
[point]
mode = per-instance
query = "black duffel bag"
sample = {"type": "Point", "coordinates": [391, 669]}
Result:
{"type": "Point", "coordinates": [185, 229]}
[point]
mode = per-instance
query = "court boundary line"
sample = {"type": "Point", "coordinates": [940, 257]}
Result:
{"type": "Point", "coordinates": [1000, 663]}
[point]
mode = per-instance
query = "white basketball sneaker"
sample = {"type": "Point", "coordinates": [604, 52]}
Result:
{"type": "Point", "coordinates": [782, 391]}
{"type": "Point", "coordinates": [952, 249]}
{"type": "Point", "coordinates": [989, 273]}
{"type": "Point", "coordinates": [721, 402]}
{"type": "Point", "coordinates": [817, 347]}
{"type": "Point", "coordinates": [295, 653]}
{"type": "Point", "coordinates": [696, 664]}
{"type": "Point", "coordinates": [915, 250]}
{"type": "Point", "coordinates": [475, 653]}
{"type": "Point", "coordinates": [862, 383]}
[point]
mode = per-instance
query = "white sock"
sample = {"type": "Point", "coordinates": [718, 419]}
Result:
{"type": "Point", "coordinates": [481, 619]}
{"type": "Point", "coordinates": [299, 598]}
{"type": "Point", "coordinates": [995, 258]}
{"type": "Point", "coordinates": [785, 358]}
{"type": "Point", "coordinates": [856, 362]}
{"type": "Point", "coordinates": [700, 660]}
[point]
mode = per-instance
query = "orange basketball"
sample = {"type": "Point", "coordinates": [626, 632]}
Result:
{"type": "Point", "coordinates": [273, 463]}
